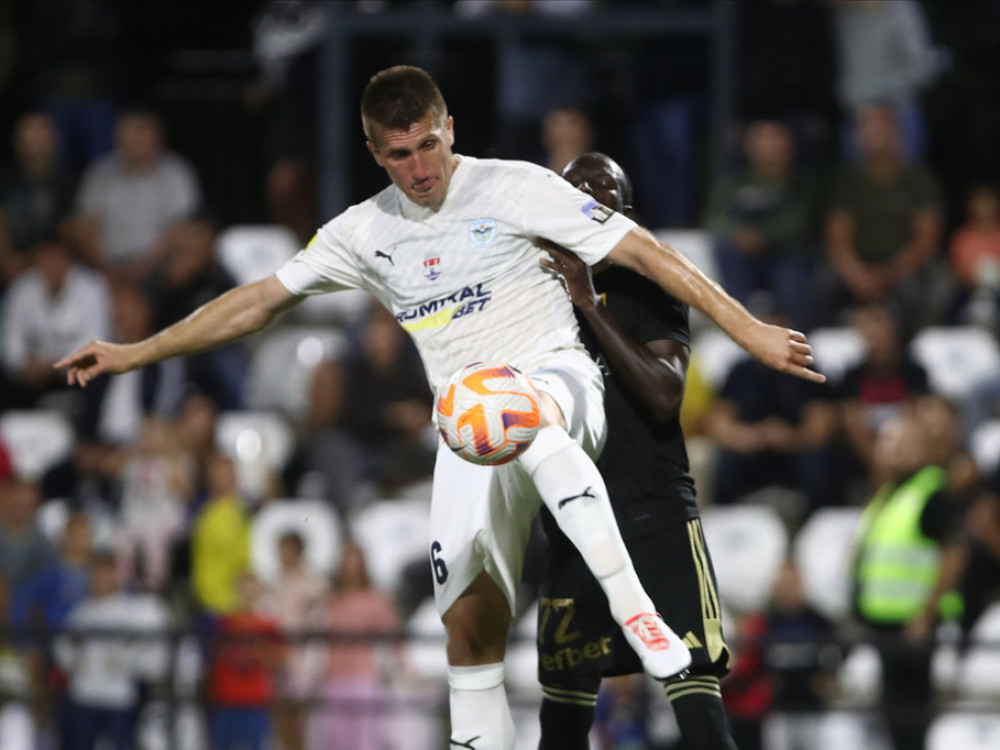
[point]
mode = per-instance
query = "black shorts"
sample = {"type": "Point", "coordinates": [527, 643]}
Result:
{"type": "Point", "coordinates": [578, 639]}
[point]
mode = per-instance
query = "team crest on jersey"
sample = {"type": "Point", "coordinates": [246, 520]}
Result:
{"type": "Point", "coordinates": [432, 267]}
{"type": "Point", "coordinates": [482, 232]}
{"type": "Point", "coordinates": [597, 211]}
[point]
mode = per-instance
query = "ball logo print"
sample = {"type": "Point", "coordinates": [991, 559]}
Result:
{"type": "Point", "coordinates": [488, 413]}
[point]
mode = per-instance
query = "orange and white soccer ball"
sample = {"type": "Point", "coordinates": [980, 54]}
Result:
{"type": "Point", "coordinates": [488, 413]}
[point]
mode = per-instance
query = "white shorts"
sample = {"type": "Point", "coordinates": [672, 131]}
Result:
{"type": "Point", "coordinates": [481, 515]}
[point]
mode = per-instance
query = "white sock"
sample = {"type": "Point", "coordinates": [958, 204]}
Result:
{"type": "Point", "coordinates": [574, 492]}
{"type": "Point", "coordinates": [480, 715]}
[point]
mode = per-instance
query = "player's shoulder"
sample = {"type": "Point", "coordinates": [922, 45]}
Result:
{"type": "Point", "coordinates": [360, 216]}
{"type": "Point", "coordinates": [512, 168]}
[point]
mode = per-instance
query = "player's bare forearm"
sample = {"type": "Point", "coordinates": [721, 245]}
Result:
{"type": "Point", "coordinates": [780, 348]}
{"type": "Point", "coordinates": [235, 314]}
{"type": "Point", "coordinates": [655, 378]}
{"type": "Point", "coordinates": [653, 373]}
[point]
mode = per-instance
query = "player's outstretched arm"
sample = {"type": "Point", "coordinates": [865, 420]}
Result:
{"type": "Point", "coordinates": [230, 316]}
{"type": "Point", "coordinates": [777, 347]}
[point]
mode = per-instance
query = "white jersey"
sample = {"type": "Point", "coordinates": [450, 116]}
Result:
{"type": "Point", "coordinates": [465, 280]}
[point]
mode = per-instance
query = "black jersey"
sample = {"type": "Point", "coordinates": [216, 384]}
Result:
{"type": "Point", "coordinates": [644, 464]}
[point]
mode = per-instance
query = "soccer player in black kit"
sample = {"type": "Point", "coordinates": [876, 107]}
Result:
{"type": "Point", "coordinates": [641, 339]}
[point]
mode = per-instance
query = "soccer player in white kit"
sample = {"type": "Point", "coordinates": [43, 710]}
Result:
{"type": "Point", "coordinates": [450, 249]}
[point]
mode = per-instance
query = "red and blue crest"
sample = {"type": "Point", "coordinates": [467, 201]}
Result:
{"type": "Point", "coordinates": [432, 267]}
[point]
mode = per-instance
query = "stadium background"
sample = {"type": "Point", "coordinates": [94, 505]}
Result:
{"type": "Point", "coordinates": [189, 476]}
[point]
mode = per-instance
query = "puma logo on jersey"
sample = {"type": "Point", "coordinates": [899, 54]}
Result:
{"type": "Point", "coordinates": [585, 493]}
{"type": "Point", "coordinates": [380, 254]}
{"type": "Point", "coordinates": [467, 743]}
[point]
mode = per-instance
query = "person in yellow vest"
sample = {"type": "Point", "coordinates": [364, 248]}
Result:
{"type": "Point", "coordinates": [908, 560]}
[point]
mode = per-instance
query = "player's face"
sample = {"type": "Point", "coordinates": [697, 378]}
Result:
{"type": "Point", "coordinates": [419, 160]}
{"type": "Point", "coordinates": [601, 178]}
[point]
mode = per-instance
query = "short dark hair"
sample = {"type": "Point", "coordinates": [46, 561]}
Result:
{"type": "Point", "coordinates": [399, 96]}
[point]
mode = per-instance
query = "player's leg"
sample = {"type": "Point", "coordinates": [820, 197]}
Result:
{"type": "Point", "coordinates": [476, 554]}
{"type": "Point", "coordinates": [572, 489]}
{"type": "Point", "coordinates": [477, 625]}
{"type": "Point", "coordinates": [567, 714]}
{"type": "Point", "coordinates": [701, 717]}
{"type": "Point", "coordinates": [690, 602]}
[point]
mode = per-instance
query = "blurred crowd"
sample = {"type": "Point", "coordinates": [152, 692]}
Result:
{"type": "Point", "coordinates": [855, 199]}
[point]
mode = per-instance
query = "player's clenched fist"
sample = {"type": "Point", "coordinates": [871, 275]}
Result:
{"type": "Point", "coordinates": [95, 358]}
{"type": "Point", "coordinates": [782, 349]}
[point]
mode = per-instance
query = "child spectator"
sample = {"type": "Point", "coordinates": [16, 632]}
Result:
{"type": "Point", "coordinates": [102, 667]}
{"type": "Point", "coordinates": [220, 545]}
{"type": "Point", "coordinates": [293, 600]}
{"type": "Point", "coordinates": [354, 685]}
{"type": "Point", "coordinates": [156, 486]}
{"type": "Point", "coordinates": [975, 248]}
{"type": "Point", "coordinates": [241, 684]}
{"type": "Point", "coordinates": [802, 659]}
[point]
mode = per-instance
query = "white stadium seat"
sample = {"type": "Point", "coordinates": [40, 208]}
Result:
{"type": "Point", "coordinates": [281, 371]}
{"type": "Point", "coordinates": [253, 252]}
{"type": "Point", "coordinates": [313, 520]}
{"type": "Point", "coordinates": [822, 551]}
{"type": "Point", "coordinates": [965, 731]}
{"type": "Point", "coordinates": [696, 244]}
{"type": "Point", "coordinates": [984, 442]}
{"type": "Point", "coordinates": [956, 358]}
{"type": "Point", "coordinates": [425, 646]}
{"type": "Point", "coordinates": [38, 440]}
{"type": "Point", "coordinates": [748, 545]}
{"type": "Point", "coordinates": [717, 355]}
{"type": "Point", "coordinates": [979, 672]}
{"type": "Point", "coordinates": [836, 350]}
{"type": "Point", "coordinates": [392, 534]}
{"type": "Point", "coordinates": [260, 442]}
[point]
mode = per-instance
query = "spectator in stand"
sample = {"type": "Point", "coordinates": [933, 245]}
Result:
{"type": "Point", "coordinates": [908, 561]}
{"type": "Point", "coordinates": [980, 584]}
{"type": "Point", "coordinates": [220, 543]}
{"type": "Point", "coordinates": [241, 683]}
{"type": "Point", "coordinates": [975, 255]}
{"type": "Point", "coordinates": [195, 429]}
{"type": "Point", "coordinates": [885, 223]}
{"type": "Point", "coordinates": [44, 602]}
{"type": "Point", "coordinates": [54, 304]}
{"type": "Point", "coordinates": [76, 61]}
{"type": "Point", "coordinates": [879, 387]}
{"type": "Point", "coordinates": [188, 278]}
{"type": "Point", "coordinates": [354, 669]}
{"type": "Point", "coordinates": [24, 550]}
{"type": "Point", "coordinates": [747, 692]}
{"type": "Point", "coordinates": [566, 134]}
{"type": "Point", "coordinates": [786, 69]}
{"type": "Point", "coordinates": [535, 73]}
{"type": "Point", "coordinates": [34, 197]}
{"type": "Point", "coordinates": [116, 407]}
{"type": "Point", "coordinates": [885, 55]}
{"type": "Point", "coordinates": [377, 433]}
{"type": "Point", "coordinates": [128, 198]}
{"type": "Point", "coordinates": [157, 483]}
{"type": "Point", "coordinates": [772, 430]}
{"type": "Point", "coordinates": [802, 658]}
{"type": "Point", "coordinates": [764, 223]}
{"type": "Point", "coordinates": [102, 669]}
{"type": "Point", "coordinates": [294, 600]}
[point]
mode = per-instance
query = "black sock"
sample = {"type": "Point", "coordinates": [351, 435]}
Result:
{"type": "Point", "coordinates": [566, 717]}
{"type": "Point", "coordinates": [697, 703]}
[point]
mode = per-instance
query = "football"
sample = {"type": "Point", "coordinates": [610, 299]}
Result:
{"type": "Point", "coordinates": [488, 413]}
